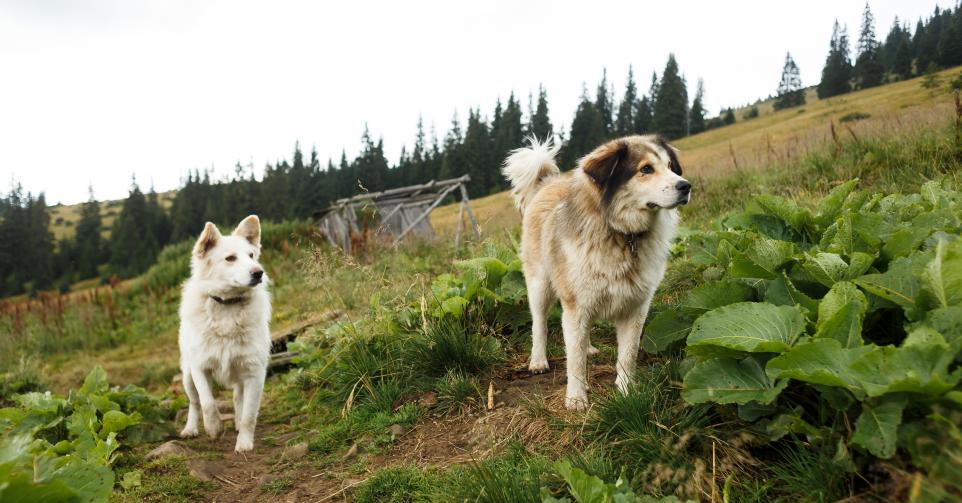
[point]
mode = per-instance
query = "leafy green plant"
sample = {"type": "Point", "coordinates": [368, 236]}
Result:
{"type": "Point", "coordinates": [855, 303]}
{"type": "Point", "coordinates": [60, 449]}
{"type": "Point", "coordinates": [585, 488]}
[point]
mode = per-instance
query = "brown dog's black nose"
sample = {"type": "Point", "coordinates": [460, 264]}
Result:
{"type": "Point", "coordinates": [683, 186]}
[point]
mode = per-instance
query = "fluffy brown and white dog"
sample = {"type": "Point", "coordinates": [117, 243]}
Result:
{"type": "Point", "coordinates": [598, 241]}
{"type": "Point", "coordinates": [224, 335]}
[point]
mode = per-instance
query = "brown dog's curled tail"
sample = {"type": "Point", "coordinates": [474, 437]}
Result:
{"type": "Point", "coordinates": [527, 168]}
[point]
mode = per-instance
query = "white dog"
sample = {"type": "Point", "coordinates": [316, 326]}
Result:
{"type": "Point", "coordinates": [224, 334]}
{"type": "Point", "coordinates": [598, 241]}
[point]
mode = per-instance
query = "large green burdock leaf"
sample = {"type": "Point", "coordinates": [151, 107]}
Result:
{"type": "Point", "coordinates": [943, 276]}
{"type": "Point", "coordinates": [877, 426]}
{"type": "Point", "coordinates": [920, 365]}
{"type": "Point", "coordinates": [948, 322]}
{"type": "Point", "coordinates": [727, 380]}
{"type": "Point", "coordinates": [826, 268]}
{"type": "Point", "coordinates": [749, 326]}
{"type": "Point", "coordinates": [799, 219]}
{"type": "Point", "coordinates": [782, 292]}
{"type": "Point", "coordinates": [713, 295]}
{"type": "Point", "coordinates": [840, 314]}
{"type": "Point", "coordinates": [664, 329]}
{"type": "Point", "coordinates": [831, 205]}
{"type": "Point", "coordinates": [820, 361]}
{"type": "Point", "coordinates": [899, 284]}
{"type": "Point", "coordinates": [95, 382]}
{"type": "Point", "coordinates": [770, 254]}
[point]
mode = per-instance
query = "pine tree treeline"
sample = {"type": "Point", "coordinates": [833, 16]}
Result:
{"type": "Point", "coordinates": [935, 43]}
{"type": "Point", "coordinates": [296, 188]}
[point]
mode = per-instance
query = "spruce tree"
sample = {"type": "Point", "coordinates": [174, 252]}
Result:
{"type": "Point", "coordinates": [452, 163]}
{"type": "Point", "coordinates": [950, 40]}
{"type": "Point", "coordinates": [587, 131]}
{"type": "Point", "coordinates": [88, 245]}
{"type": "Point", "coordinates": [902, 61]}
{"type": "Point", "coordinates": [868, 71]}
{"type": "Point", "coordinates": [627, 110]}
{"type": "Point", "coordinates": [476, 152]}
{"type": "Point", "coordinates": [507, 134]}
{"type": "Point", "coordinates": [133, 246]}
{"type": "Point", "coordinates": [696, 116]}
{"type": "Point", "coordinates": [790, 91]}
{"type": "Point", "coordinates": [670, 116]}
{"type": "Point", "coordinates": [604, 105]}
{"type": "Point", "coordinates": [837, 72]}
{"type": "Point", "coordinates": [540, 123]}
{"type": "Point", "coordinates": [729, 117]}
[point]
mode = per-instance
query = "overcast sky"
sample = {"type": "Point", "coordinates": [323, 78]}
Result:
{"type": "Point", "coordinates": [93, 91]}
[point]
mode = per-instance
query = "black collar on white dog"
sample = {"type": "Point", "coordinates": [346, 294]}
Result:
{"type": "Point", "coordinates": [226, 302]}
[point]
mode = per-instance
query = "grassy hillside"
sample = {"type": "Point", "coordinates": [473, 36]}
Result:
{"type": "Point", "coordinates": [63, 218]}
{"type": "Point", "coordinates": [774, 138]}
{"type": "Point", "coordinates": [391, 401]}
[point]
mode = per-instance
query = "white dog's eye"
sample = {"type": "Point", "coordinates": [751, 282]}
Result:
{"type": "Point", "coordinates": [647, 170]}
{"type": "Point", "coordinates": [231, 258]}
{"type": "Point", "coordinates": [251, 255]}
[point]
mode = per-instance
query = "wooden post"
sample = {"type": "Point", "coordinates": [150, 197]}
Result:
{"type": "Point", "coordinates": [467, 206]}
{"type": "Point", "coordinates": [457, 232]}
{"type": "Point", "coordinates": [427, 212]}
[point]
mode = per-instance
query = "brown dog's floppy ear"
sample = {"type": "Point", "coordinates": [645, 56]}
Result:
{"type": "Point", "coordinates": [207, 240]}
{"type": "Point", "coordinates": [250, 229]}
{"type": "Point", "coordinates": [672, 155]}
{"type": "Point", "coordinates": [603, 162]}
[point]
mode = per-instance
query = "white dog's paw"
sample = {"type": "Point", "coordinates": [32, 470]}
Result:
{"type": "Point", "coordinates": [578, 402]}
{"type": "Point", "coordinates": [189, 432]}
{"type": "Point", "coordinates": [213, 426]}
{"type": "Point", "coordinates": [244, 444]}
{"type": "Point", "coordinates": [539, 366]}
{"type": "Point", "coordinates": [592, 350]}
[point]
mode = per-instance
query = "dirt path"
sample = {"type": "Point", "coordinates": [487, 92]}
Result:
{"type": "Point", "coordinates": [525, 407]}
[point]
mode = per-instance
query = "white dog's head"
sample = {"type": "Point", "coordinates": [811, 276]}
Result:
{"type": "Point", "coordinates": [229, 264]}
{"type": "Point", "coordinates": [636, 176]}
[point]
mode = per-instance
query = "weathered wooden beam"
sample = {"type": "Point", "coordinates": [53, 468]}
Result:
{"type": "Point", "coordinates": [467, 205]}
{"type": "Point", "coordinates": [427, 212]}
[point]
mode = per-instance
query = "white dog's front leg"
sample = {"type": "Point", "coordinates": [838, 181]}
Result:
{"type": "Point", "coordinates": [208, 405]}
{"type": "Point", "coordinates": [193, 408]}
{"type": "Point", "coordinates": [238, 404]}
{"type": "Point", "coordinates": [575, 327]}
{"type": "Point", "coordinates": [247, 420]}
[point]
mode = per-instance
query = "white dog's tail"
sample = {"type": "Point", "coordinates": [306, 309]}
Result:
{"type": "Point", "coordinates": [527, 167]}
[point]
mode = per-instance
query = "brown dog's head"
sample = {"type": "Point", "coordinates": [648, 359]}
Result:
{"type": "Point", "coordinates": [636, 176]}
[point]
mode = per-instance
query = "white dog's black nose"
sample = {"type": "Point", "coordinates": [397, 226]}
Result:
{"type": "Point", "coordinates": [256, 276]}
{"type": "Point", "coordinates": [683, 186]}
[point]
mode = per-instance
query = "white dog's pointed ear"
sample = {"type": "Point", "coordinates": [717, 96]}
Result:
{"type": "Point", "coordinates": [207, 240]}
{"type": "Point", "coordinates": [250, 229]}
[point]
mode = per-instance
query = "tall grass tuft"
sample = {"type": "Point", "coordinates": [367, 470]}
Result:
{"type": "Point", "coordinates": [455, 344]}
{"type": "Point", "coordinates": [650, 429]}
{"type": "Point", "coordinates": [807, 474]}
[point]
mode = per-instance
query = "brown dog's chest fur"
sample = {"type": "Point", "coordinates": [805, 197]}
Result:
{"type": "Point", "coordinates": [590, 267]}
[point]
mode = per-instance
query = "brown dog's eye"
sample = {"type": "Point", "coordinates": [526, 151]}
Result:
{"type": "Point", "coordinates": [647, 170]}
{"type": "Point", "coordinates": [231, 258]}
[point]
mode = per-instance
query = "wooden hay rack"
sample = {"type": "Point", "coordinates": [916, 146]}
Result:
{"type": "Point", "coordinates": [398, 212]}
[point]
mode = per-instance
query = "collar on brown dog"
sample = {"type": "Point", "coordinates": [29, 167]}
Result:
{"type": "Point", "coordinates": [227, 302]}
{"type": "Point", "coordinates": [631, 241]}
